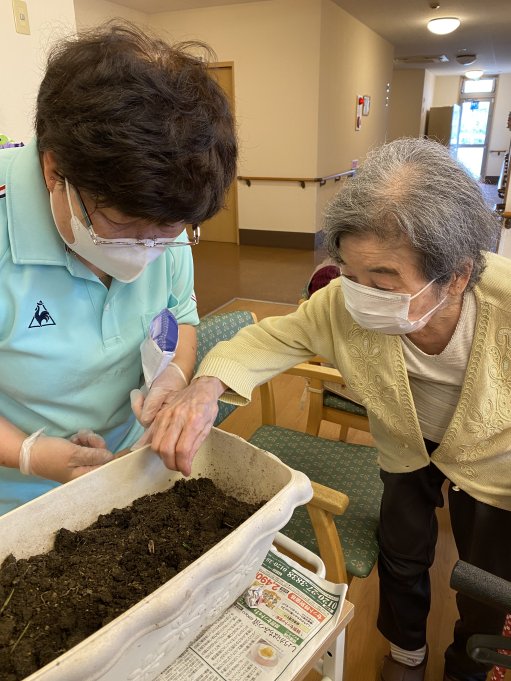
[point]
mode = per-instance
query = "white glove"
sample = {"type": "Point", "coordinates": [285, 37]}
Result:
{"type": "Point", "coordinates": [59, 459]}
{"type": "Point", "coordinates": [88, 438]}
{"type": "Point", "coordinates": [146, 406]}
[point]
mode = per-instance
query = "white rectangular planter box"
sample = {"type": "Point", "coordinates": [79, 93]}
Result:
{"type": "Point", "coordinates": [139, 644]}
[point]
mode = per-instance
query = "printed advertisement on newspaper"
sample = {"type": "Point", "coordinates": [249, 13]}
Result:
{"type": "Point", "coordinates": [286, 612]}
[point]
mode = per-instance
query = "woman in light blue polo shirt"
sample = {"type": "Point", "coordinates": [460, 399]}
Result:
{"type": "Point", "coordinates": [134, 141]}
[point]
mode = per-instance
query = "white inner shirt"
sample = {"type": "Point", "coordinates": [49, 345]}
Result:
{"type": "Point", "coordinates": [436, 380]}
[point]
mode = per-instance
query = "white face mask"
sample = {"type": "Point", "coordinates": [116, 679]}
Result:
{"type": "Point", "coordinates": [383, 311]}
{"type": "Point", "coordinates": [124, 263]}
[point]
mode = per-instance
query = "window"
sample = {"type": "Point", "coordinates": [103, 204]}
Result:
{"type": "Point", "coordinates": [476, 106]}
{"type": "Point", "coordinates": [481, 86]}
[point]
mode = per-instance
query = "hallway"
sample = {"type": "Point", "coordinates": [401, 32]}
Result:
{"type": "Point", "coordinates": [225, 271]}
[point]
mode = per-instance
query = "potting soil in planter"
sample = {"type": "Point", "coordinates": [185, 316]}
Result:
{"type": "Point", "coordinates": [52, 601]}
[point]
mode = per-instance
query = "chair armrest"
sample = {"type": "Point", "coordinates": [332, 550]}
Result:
{"type": "Point", "coordinates": [329, 499]}
{"type": "Point", "coordinates": [315, 375]}
{"type": "Point", "coordinates": [316, 371]}
{"type": "Point", "coordinates": [326, 503]}
{"type": "Point", "coordinates": [317, 359]}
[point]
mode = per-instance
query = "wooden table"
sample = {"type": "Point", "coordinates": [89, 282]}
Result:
{"type": "Point", "coordinates": [333, 643]}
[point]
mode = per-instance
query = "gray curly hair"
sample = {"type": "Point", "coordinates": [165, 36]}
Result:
{"type": "Point", "coordinates": [412, 188]}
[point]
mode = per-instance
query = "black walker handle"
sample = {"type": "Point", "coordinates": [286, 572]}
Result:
{"type": "Point", "coordinates": [481, 586]}
{"type": "Point", "coordinates": [487, 588]}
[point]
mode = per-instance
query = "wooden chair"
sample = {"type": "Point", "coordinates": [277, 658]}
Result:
{"type": "Point", "coordinates": [342, 518]}
{"type": "Point", "coordinates": [339, 523]}
{"type": "Point", "coordinates": [325, 405]}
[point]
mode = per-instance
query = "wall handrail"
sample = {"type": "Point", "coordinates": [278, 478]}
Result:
{"type": "Point", "coordinates": [248, 179]}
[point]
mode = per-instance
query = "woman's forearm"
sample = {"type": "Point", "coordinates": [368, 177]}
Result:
{"type": "Point", "coordinates": [11, 439]}
{"type": "Point", "coordinates": [186, 350]}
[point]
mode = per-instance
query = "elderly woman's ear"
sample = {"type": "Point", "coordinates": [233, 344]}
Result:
{"type": "Point", "coordinates": [460, 281]}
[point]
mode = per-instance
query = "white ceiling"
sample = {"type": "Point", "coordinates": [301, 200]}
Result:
{"type": "Point", "coordinates": [485, 30]}
{"type": "Point", "coordinates": [485, 27]}
{"type": "Point", "coordinates": [154, 6]}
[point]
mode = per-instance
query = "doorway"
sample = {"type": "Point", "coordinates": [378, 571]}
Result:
{"type": "Point", "coordinates": [476, 108]}
{"type": "Point", "coordinates": [224, 225]}
{"type": "Point", "coordinates": [473, 135]}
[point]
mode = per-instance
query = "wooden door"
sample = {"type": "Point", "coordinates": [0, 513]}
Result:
{"type": "Point", "coordinates": [224, 225]}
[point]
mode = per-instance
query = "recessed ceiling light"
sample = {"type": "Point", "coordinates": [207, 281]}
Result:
{"type": "Point", "coordinates": [443, 25]}
{"type": "Point", "coordinates": [475, 74]}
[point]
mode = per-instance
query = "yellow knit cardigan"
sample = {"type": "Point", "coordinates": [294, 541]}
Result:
{"type": "Point", "coordinates": [475, 452]}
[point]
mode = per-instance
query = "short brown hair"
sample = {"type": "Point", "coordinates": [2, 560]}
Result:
{"type": "Point", "coordinates": [138, 124]}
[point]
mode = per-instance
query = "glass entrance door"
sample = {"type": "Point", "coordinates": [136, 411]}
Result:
{"type": "Point", "coordinates": [472, 136]}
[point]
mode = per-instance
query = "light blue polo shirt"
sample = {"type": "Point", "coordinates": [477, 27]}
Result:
{"type": "Point", "coordinates": [70, 347]}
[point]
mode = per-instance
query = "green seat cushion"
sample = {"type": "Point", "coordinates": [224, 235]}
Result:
{"type": "Point", "coordinates": [337, 402]}
{"type": "Point", "coordinates": [352, 469]}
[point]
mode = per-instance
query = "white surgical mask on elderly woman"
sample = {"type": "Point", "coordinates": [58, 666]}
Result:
{"type": "Point", "coordinates": [124, 263]}
{"type": "Point", "coordinates": [383, 311]}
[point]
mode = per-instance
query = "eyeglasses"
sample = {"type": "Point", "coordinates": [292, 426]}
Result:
{"type": "Point", "coordinates": [148, 243]}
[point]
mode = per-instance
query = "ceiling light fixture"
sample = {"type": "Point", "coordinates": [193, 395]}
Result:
{"type": "Point", "coordinates": [475, 74]}
{"type": "Point", "coordinates": [443, 25]}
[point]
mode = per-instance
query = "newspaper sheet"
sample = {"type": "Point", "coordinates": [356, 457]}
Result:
{"type": "Point", "coordinates": [287, 612]}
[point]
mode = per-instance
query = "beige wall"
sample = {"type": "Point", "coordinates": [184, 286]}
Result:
{"type": "Point", "coordinates": [275, 49]}
{"type": "Point", "coordinates": [23, 60]}
{"type": "Point", "coordinates": [353, 61]}
{"type": "Point", "coordinates": [447, 90]}
{"type": "Point", "coordinates": [406, 104]}
{"type": "Point", "coordinates": [294, 121]}
{"type": "Point", "coordinates": [427, 99]}
{"type": "Point", "coordinates": [94, 12]}
{"type": "Point", "coordinates": [500, 136]}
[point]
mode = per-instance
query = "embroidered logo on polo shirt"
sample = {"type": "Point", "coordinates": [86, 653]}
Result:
{"type": "Point", "coordinates": [2, 191]}
{"type": "Point", "coordinates": [41, 317]}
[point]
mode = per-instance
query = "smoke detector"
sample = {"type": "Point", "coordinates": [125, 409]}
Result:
{"type": "Point", "coordinates": [466, 59]}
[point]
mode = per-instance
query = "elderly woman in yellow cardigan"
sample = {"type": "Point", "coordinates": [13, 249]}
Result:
{"type": "Point", "coordinates": [419, 324]}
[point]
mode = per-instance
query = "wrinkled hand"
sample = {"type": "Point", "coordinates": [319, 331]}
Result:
{"type": "Point", "coordinates": [181, 426]}
{"type": "Point", "coordinates": [163, 388]}
{"type": "Point", "coordinates": [62, 460]}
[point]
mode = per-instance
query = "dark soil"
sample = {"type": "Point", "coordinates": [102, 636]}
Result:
{"type": "Point", "coordinates": [51, 602]}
